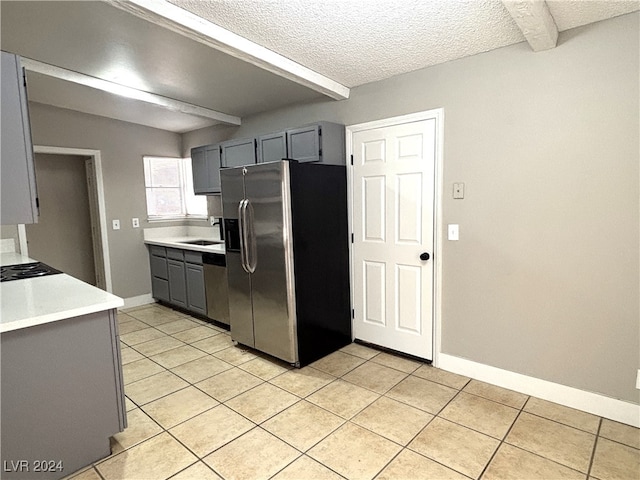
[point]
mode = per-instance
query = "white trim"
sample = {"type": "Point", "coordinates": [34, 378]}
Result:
{"type": "Point", "coordinates": [128, 92]}
{"type": "Point", "coordinates": [22, 240]}
{"type": "Point", "coordinates": [197, 28]}
{"type": "Point", "coordinates": [438, 115]}
{"type": "Point", "coordinates": [102, 210]}
{"type": "Point", "coordinates": [138, 301]}
{"type": "Point", "coordinates": [601, 405]}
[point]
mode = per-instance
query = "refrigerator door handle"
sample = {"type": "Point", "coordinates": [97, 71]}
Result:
{"type": "Point", "coordinates": [243, 242]}
{"type": "Point", "coordinates": [250, 239]}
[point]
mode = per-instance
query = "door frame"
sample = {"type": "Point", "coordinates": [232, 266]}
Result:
{"type": "Point", "coordinates": [438, 115]}
{"type": "Point", "coordinates": [101, 250]}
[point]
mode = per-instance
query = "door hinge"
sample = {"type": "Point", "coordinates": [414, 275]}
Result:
{"type": "Point", "coordinates": [351, 159]}
{"type": "Point", "coordinates": [353, 313]}
{"type": "Point", "coordinates": [352, 238]}
{"type": "Point", "coordinates": [320, 153]}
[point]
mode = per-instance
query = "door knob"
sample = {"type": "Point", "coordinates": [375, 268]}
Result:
{"type": "Point", "coordinates": [425, 256]}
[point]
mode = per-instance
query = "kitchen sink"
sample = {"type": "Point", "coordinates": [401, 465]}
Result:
{"type": "Point", "coordinates": [201, 242]}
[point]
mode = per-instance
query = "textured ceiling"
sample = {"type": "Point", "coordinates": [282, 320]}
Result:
{"type": "Point", "coordinates": [360, 41]}
{"type": "Point", "coordinates": [352, 42]}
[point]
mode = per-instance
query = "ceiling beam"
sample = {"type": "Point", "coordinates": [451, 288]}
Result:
{"type": "Point", "coordinates": [185, 23]}
{"type": "Point", "coordinates": [535, 21]}
{"type": "Point", "coordinates": [128, 92]}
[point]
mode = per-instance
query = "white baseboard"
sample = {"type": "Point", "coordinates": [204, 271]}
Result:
{"type": "Point", "coordinates": [601, 405]}
{"type": "Point", "coordinates": [138, 301]}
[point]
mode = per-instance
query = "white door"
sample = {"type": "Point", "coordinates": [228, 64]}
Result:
{"type": "Point", "coordinates": [393, 224]}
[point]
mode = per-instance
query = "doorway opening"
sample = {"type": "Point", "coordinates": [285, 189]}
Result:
{"type": "Point", "coordinates": [72, 232]}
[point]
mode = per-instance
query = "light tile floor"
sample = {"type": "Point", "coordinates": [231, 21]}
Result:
{"type": "Point", "coordinates": [201, 408]}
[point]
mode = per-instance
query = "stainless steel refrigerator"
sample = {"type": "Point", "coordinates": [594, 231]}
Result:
{"type": "Point", "coordinates": [287, 247]}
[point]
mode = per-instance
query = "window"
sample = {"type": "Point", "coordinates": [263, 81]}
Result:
{"type": "Point", "coordinates": [169, 187]}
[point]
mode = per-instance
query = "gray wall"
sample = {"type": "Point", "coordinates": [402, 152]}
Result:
{"type": "Point", "coordinates": [206, 136]}
{"type": "Point", "coordinates": [10, 231]}
{"type": "Point", "coordinates": [62, 236]}
{"type": "Point", "coordinates": [122, 146]}
{"type": "Point", "coordinates": [544, 280]}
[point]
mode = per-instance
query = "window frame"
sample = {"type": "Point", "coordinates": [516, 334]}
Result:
{"type": "Point", "coordinates": [185, 188]}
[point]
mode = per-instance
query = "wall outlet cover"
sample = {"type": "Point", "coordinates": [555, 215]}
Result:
{"type": "Point", "coordinates": [116, 224]}
{"type": "Point", "coordinates": [458, 190]}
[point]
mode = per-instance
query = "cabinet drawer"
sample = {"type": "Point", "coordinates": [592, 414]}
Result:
{"type": "Point", "coordinates": [160, 289]}
{"type": "Point", "coordinates": [193, 257]}
{"type": "Point", "coordinates": [159, 267]}
{"type": "Point", "coordinates": [175, 254]}
{"type": "Point", "coordinates": [158, 251]}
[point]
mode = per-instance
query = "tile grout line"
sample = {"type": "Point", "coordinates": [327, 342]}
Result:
{"type": "Point", "coordinates": [593, 451]}
{"type": "Point", "coordinates": [502, 440]}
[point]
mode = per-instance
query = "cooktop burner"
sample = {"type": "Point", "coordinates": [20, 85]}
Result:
{"type": "Point", "coordinates": [26, 270]}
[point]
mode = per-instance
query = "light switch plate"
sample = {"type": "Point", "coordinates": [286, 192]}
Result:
{"type": "Point", "coordinates": [135, 222]}
{"type": "Point", "coordinates": [453, 232]}
{"type": "Point", "coordinates": [458, 190]}
{"type": "Point", "coordinates": [116, 224]}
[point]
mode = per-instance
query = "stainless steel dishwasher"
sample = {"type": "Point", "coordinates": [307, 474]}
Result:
{"type": "Point", "coordinates": [215, 285]}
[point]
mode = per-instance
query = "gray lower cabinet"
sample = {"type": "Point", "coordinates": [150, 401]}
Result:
{"type": "Point", "coordinates": [177, 283]}
{"type": "Point", "coordinates": [272, 147]}
{"type": "Point", "coordinates": [62, 395]}
{"type": "Point", "coordinates": [159, 273]}
{"type": "Point", "coordinates": [19, 197]}
{"type": "Point", "coordinates": [196, 298]}
{"type": "Point", "coordinates": [205, 163]}
{"type": "Point", "coordinates": [177, 278]}
{"type": "Point", "coordinates": [236, 153]}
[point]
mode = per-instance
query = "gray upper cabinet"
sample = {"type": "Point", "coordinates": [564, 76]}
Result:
{"type": "Point", "coordinates": [19, 198]}
{"type": "Point", "coordinates": [236, 153]}
{"type": "Point", "coordinates": [322, 142]}
{"type": "Point", "coordinates": [205, 162]}
{"type": "Point", "coordinates": [272, 147]}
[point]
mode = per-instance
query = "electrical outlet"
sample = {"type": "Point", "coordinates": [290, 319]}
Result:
{"type": "Point", "coordinates": [458, 190]}
{"type": "Point", "coordinates": [116, 224]}
{"type": "Point", "coordinates": [135, 222]}
{"type": "Point", "coordinates": [638, 380]}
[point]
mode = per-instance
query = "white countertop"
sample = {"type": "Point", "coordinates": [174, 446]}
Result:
{"type": "Point", "coordinates": [36, 301]}
{"type": "Point", "coordinates": [176, 242]}
{"type": "Point", "coordinates": [174, 237]}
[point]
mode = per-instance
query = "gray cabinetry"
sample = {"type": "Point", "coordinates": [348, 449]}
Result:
{"type": "Point", "coordinates": [62, 395]}
{"type": "Point", "coordinates": [18, 202]}
{"type": "Point", "coordinates": [196, 297]}
{"type": "Point", "coordinates": [159, 273]}
{"type": "Point", "coordinates": [205, 162]}
{"type": "Point", "coordinates": [236, 153]}
{"type": "Point", "coordinates": [177, 278]}
{"type": "Point", "coordinates": [272, 147]}
{"type": "Point", "coordinates": [322, 142]}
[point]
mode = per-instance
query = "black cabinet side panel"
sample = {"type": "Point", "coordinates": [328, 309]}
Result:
{"type": "Point", "coordinates": [321, 258]}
